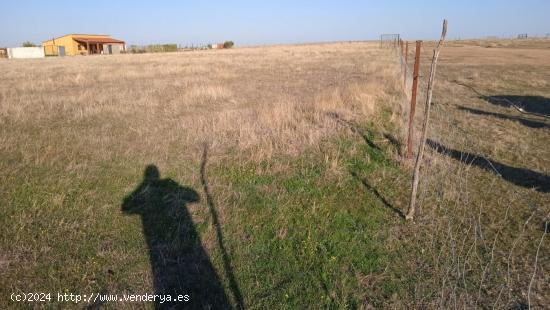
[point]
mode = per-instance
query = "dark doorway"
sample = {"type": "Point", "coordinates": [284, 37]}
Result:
{"type": "Point", "coordinates": [179, 263]}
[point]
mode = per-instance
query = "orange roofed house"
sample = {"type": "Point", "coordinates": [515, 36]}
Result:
{"type": "Point", "coordinates": [83, 44]}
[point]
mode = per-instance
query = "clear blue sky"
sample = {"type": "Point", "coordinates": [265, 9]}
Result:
{"type": "Point", "coordinates": [267, 22]}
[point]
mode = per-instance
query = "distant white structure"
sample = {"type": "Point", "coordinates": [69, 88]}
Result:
{"type": "Point", "coordinates": [26, 52]}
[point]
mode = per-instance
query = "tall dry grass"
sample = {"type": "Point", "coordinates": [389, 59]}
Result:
{"type": "Point", "coordinates": [260, 101]}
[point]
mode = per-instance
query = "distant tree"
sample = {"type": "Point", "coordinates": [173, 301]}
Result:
{"type": "Point", "coordinates": [228, 44]}
{"type": "Point", "coordinates": [29, 44]}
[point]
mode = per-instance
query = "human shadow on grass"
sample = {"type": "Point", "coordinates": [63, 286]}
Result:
{"type": "Point", "coordinates": [531, 104]}
{"type": "Point", "coordinates": [522, 120]}
{"type": "Point", "coordinates": [179, 263]}
{"type": "Point", "coordinates": [518, 176]}
{"type": "Point", "coordinates": [376, 193]}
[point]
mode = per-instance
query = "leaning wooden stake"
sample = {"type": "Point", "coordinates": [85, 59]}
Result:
{"type": "Point", "coordinates": [416, 175]}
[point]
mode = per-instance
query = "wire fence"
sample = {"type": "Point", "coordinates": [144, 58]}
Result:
{"type": "Point", "coordinates": [483, 253]}
{"type": "Point", "coordinates": [390, 40]}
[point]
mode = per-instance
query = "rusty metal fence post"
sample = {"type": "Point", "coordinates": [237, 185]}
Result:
{"type": "Point", "coordinates": [413, 98]}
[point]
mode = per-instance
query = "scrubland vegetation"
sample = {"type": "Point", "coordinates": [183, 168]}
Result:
{"type": "Point", "coordinates": [289, 177]}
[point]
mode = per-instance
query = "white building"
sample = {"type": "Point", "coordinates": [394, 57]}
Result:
{"type": "Point", "coordinates": [26, 52]}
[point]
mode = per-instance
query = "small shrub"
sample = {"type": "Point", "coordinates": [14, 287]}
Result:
{"type": "Point", "coordinates": [29, 44]}
{"type": "Point", "coordinates": [228, 44]}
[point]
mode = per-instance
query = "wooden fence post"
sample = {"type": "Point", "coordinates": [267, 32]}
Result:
{"type": "Point", "coordinates": [413, 98]}
{"type": "Point", "coordinates": [416, 175]}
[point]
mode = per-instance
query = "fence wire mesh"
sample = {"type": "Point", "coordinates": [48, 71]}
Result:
{"type": "Point", "coordinates": [390, 40]}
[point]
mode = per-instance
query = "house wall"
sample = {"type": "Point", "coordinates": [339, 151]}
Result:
{"type": "Point", "coordinates": [116, 48]}
{"type": "Point", "coordinates": [26, 52]}
{"type": "Point", "coordinates": [51, 46]}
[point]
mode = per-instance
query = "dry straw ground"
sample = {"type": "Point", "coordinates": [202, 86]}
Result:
{"type": "Point", "coordinates": [302, 187]}
{"type": "Point", "coordinates": [257, 99]}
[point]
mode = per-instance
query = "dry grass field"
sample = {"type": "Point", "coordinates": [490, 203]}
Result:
{"type": "Point", "coordinates": [272, 177]}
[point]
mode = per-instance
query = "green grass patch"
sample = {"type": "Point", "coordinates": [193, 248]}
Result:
{"type": "Point", "coordinates": [304, 239]}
